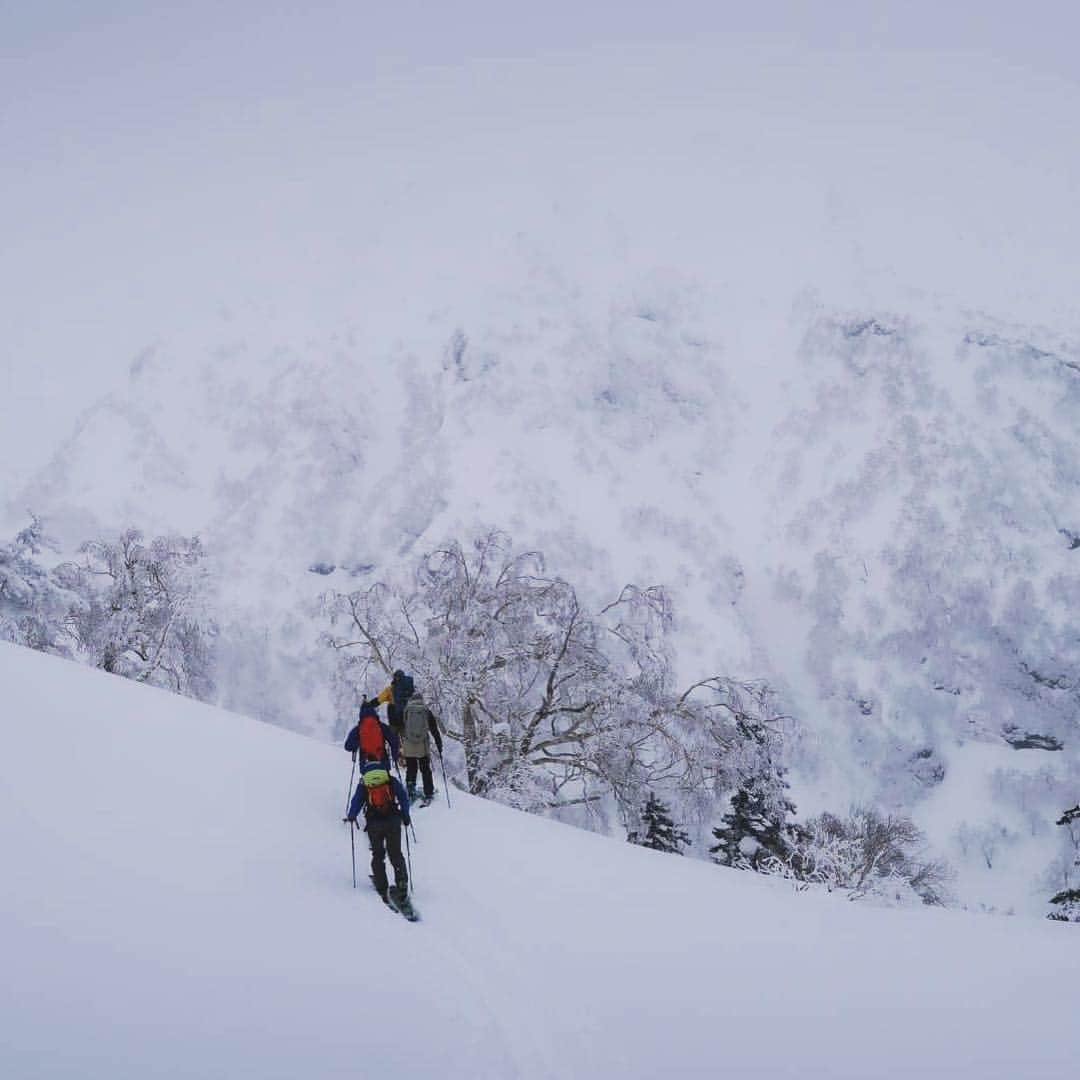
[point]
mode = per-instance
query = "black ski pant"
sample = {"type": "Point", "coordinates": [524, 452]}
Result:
{"type": "Point", "coordinates": [424, 765]}
{"type": "Point", "coordinates": [385, 837]}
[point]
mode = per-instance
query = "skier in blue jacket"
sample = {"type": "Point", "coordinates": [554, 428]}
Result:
{"type": "Point", "coordinates": [385, 805]}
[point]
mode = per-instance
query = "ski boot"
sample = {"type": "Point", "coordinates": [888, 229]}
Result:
{"type": "Point", "coordinates": [399, 901]}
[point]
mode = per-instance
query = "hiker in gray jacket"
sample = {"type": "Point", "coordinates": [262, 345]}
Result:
{"type": "Point", "coordinates": [419, 727]}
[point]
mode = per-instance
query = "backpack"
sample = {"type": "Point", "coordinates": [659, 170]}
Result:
{"type": "Point", "coordinates": [372, 741]}
{"type": "Point", "coordinates": [415, 736]}
{"type": "Point", "coordinates": [380, 795]}
{"type": "Point", "coordinates": [401, 689]}
{"type": "Point", "coordinates": [394, 718]}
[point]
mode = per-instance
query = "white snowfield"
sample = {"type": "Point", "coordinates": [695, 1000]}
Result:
{"type": "Point", "coordinates": [177, 902]}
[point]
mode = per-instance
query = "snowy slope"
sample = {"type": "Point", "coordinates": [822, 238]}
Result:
{"type": "Point", "coordinates": [177, 903]}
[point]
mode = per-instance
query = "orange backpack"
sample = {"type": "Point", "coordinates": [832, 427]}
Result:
{"type": "Point", "coordinates": [380, 795]}
{"type": "Point", "coordinates": [372, 743]}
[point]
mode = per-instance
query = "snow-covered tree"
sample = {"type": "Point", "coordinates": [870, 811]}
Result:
{"type": "Point", "coordinates": [554, 705]}
{"type": "Point", "coordinates": [657, 830]}
{"type": "Point", "coordinates": [526, 679]}
{"type": "Point", "coordinates": [1066, 902]}
{"type": "Point", "coordinates": [142, 613]}
{"type": "Point", "coordinates": [33, 604]}
{"type": "Point", "coordinates": [866, 853]}
{"type": "Point", "coordinates": [732, 734]}
{"type": "Point", "coordinates": [754, 830]}
{"type": "Point", "coordinates": [743, 764]}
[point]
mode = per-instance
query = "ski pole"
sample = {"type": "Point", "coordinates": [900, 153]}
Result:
{"type": "Point", "coordinates": [397, 768]}
{"type": "Point", "coordinates": [352, 841]}
{"type": "Point", "coordinates": [408, 859]}
{"type": "Point", "coordinates": [348, 798]}
{"type": "Point", "coordinates": [445, 785]}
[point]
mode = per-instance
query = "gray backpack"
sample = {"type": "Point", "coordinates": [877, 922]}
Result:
{"type": "Point", "coordinates": [414, 737]}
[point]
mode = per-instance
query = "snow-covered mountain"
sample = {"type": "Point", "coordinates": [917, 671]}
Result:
{"type": "Point", "coordinates": [178, 902]}
{"type": "Point", "coordinates": [789, 333]}
{"type": "Point", "coordinates": [880, 523]}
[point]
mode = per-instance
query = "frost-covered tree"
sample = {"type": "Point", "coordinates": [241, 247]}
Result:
{"type": "Point", "coordinates": [743, 728]}
{"type": "Point", "coordinates": [143, 610]}
{"type": "Point", "coordinates": [1066, 902]}
{"type": "Point", "coordinates": [866, 853]}
{"type": "Point", "coordinates": [982, 840]}
{"type": "Point", "coordinates": [731, 731]}
{"type": "Point", "coordinates": [33, 604]}
{"type": "Point", "coordinates": [552, 704]}
{"type": "Point", "coordinates": [754, 830]}
{"type": "Point", "coordinates": [657, 829]}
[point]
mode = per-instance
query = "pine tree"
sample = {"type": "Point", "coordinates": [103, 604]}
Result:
{"type": "Point", "coordinates": [1067, 902]}
{"type": "Point", "coordinates": [753, 830]}
{"type": "Point", "coordinates": [660, 832]}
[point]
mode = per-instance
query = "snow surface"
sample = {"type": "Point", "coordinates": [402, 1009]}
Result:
{"type": "Point", "coordinates": [177, 903]}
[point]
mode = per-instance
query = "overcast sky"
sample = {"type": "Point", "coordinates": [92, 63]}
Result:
{"type": "Point", "coordinates": [160, 158]}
